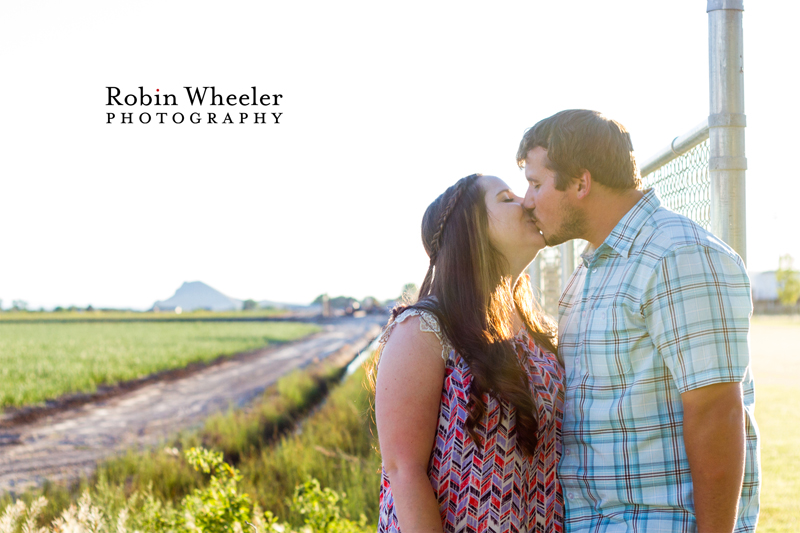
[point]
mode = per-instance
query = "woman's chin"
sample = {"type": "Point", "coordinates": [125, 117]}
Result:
{"type": "Point", "coordinates": [533, 251]}
{"type": "Point", "coordinates": [538, 241]}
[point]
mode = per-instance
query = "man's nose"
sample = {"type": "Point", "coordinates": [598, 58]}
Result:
{"type": "Point", "coordinates": [528, 202]}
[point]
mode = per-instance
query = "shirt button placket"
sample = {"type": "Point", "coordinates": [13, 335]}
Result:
{"type": "Point", "coordinates": [585, 323]}
{"type": "Point", "coordinates": [582, 325]}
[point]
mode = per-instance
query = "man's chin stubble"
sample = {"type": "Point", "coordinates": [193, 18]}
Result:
{"type": "Point", "coordinates": [568, 232]}
{"type": "Point", "coordinates": [573, 227]}
{"type": "Point", "coordinates": [554, 241]}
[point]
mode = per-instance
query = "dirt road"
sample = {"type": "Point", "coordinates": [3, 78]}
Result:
{"type": "Point", "coordinates": [67, 444]}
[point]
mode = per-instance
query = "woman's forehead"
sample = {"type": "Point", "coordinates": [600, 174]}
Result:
{"type": "Point", "coordinates": [493, 184]}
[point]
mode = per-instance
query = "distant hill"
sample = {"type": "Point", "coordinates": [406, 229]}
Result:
{"type": "Point", "coordinates": [197, 295]}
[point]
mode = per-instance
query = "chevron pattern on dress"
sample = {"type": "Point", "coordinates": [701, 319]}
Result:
{"type": "Point", "coordinates": [493, 487]}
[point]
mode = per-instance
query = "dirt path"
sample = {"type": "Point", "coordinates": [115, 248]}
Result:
{"type": "Point", "coordinates": [67, 444]}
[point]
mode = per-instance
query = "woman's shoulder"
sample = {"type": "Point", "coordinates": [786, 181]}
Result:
{"type": "Point", "coordinates": [413, 326]}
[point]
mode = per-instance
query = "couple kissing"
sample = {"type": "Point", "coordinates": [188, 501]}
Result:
{"type": "Point", "coordinates": [633, 414]}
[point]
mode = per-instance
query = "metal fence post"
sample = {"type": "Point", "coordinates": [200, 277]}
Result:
{"type": "Point", "coordinates": [535, 272]}
{"type": "Point", "coordinates": [567, 250]}
{"type": "Point", "coordinates": [726, 122]}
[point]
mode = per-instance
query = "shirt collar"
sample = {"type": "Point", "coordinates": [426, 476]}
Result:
{"type": "Point", "coordinates": [622, 236]}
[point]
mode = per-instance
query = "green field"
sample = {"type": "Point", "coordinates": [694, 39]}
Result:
{"type": "Point", "coordinates": [41, 361]}
{"type": "Point", "coordinates": [80, 316]}
{"type": "Point", "coordinates": [775, 348]}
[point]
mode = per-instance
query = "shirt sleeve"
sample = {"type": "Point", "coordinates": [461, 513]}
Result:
{"type": "Point", "coordinates": [697, 311]}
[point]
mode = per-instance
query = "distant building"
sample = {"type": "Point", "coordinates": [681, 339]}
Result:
{"type": "Point", "coordinates": [764, 288]}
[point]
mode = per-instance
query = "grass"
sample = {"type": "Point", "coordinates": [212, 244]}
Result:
{"type": "Point", "coordinates": [774, 345]}
{"type": "Point", "coordinates": [164, 474]}
{"type": "Point", "coordinates": [337, 446]}
{"type": "Point", "coordinates": [776, 320]}
{"type": "Point", "coordinates": [41, 361]}
{"type": "Point", "coordinates": [776, 416]}
{"type": "Point", "coordinates": [98, 315]}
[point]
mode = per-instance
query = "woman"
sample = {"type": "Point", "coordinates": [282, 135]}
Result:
{"type": "Point", "coordinates": [468, 393]}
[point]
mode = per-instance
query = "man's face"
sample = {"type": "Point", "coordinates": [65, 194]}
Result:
{"type": "Point", "coordinates": [551, 209]}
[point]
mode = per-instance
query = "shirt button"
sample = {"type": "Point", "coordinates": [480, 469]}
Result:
{"type": "Point", "coordinates": [567, 452]}
{"type": "Point", "coordinates": [571, 496]}
{"type": "Point", "coordinates": [594, 270]}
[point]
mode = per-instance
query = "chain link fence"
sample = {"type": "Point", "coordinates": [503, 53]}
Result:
{"type": "Point", "coordinates": [683, 185]}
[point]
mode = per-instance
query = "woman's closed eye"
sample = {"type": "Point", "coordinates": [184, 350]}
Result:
{"type": "Point", "coordinates": [508, 197]}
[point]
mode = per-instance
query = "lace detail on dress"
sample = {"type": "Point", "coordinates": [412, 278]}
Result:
{"type": "Point", "coordinates": [427, 322]}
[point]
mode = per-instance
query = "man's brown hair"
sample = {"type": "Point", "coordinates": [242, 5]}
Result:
{"type": "Point", "coordinates": [580, 139]}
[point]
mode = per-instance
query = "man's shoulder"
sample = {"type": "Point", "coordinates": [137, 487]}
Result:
{"type": "Point", "coordinates": [669, 233]}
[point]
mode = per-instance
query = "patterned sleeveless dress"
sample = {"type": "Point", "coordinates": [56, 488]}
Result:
{"type": "Point", "coordinates": [492, 487]}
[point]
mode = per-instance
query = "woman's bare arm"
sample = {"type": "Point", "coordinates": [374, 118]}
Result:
{"type": "Point", "coordinates": [407, 396]}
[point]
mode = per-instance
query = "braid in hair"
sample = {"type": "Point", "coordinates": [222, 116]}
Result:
{"type": "Point", "coordinates": [453, 194]}
{"type": "Point", "coordinates": [459, 188]}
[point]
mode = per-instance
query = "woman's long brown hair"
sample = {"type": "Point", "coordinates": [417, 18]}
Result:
{"type": "Point", "coordinates": [467, 289]}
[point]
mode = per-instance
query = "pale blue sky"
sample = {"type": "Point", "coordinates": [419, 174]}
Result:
{"type": "Point", "coordinates": [384, 107]}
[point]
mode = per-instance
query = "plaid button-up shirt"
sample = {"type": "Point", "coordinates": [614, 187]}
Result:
{"type": "Point", "coordinates": [660, 308]}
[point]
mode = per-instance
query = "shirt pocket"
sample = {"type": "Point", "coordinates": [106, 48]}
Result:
{"type": "Point", "coordinates": [606, 342]}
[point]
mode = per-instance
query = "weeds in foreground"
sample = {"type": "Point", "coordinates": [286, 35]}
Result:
{"type": "Point", "coordinates": [162, 473]}
{"type": "Point", "coordinates": [219, 507]}
{"type": "Point", "coordinates": [337, 446]}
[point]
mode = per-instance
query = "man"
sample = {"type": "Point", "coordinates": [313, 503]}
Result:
{"type": "Point", "coordinates": [659, 433]}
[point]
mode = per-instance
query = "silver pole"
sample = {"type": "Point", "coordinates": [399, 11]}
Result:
{"type": "Point", "coordinates": [726, 123]}
{"type": "Point", "coordinates": [567, 250]}
{"type": "Point", "coordinates": [535, 272]}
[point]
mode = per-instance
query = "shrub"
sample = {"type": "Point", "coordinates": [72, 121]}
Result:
{"type": "Point", "coordinates": [220, 507]}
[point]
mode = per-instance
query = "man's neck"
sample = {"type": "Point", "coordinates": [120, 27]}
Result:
{"type": "Point", "coordinates": [607, 210]}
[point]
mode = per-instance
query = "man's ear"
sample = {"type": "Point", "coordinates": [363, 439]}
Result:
{"type": "Point", "coordinates": [583, 184]}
